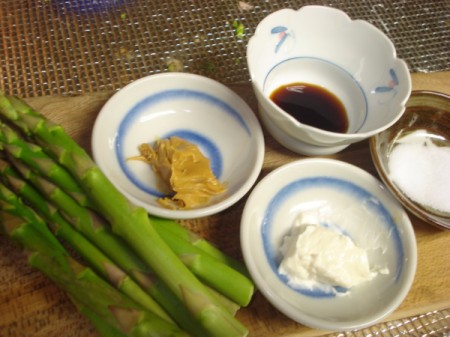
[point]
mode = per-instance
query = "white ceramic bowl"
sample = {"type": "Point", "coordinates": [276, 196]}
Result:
{"type": "Point", "coordinates": [193, 107]}
{"type": "Point", "coordinates": [350, 58]}
{"type": "Point", "coordinates": [344, 197]}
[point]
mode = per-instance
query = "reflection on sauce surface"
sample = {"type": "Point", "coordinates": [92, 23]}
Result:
{"type": "Point", "coordinates": [312, 105]}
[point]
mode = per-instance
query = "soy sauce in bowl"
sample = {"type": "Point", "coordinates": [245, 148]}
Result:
{"type": "Point", "coordinates": [312, 105]}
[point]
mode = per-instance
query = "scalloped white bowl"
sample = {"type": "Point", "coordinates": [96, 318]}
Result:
{"type": "Point", "coordinates": [344, 197]}
{"type": "Point", "coordinates": [350, 58]}
{"type": "Point", "coordinates": [190, 106]}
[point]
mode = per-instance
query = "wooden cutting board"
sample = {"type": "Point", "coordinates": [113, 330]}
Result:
{"type": "Point", "coordinates": [30, 305]}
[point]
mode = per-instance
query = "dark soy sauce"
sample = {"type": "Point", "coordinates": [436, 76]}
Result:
{"type": "Point", "coordinates": [312, 105]}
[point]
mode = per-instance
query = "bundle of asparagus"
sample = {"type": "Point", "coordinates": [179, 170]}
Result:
{"type": "Point", "coordinates": [134, 274]}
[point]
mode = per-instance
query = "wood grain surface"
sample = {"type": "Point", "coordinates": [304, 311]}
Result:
{"type": "Point", "coordinates": [30, 305]}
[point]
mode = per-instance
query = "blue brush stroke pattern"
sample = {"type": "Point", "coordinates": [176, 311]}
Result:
{"type": "Point", "coordinates": [282, 36]}
{"type": "Point", "coordinates": [393, 82]}
{"type": "Point", "coordinates": [278, 29]}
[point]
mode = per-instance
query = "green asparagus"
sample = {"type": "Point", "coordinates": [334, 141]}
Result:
{"type": "Point", "coordinates": [216, 274]}
{"type": "Point", "coordinates": [168, 227]}
{"type": "Point", "coordinates": [100, 262]}
{"type": "Point", "coordinates": [23, 225]}
{"type": "Point", "coordinates": [128, 221]}
{"type": "Point", "coordinates": [95, 230]}
{"type": "Point", "coordinates": [35, 158]}
{"type": "Point", "coordinates": [127, 262]}
{"type": "Point", "coordinates": [99, 323]}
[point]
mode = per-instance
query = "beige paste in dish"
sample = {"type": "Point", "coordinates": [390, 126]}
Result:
{"type": "Point", "coordinates": [183, 170]}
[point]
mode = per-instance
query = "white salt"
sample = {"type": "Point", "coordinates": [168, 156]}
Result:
{"type": "Point", "coordinates": [421, 169]}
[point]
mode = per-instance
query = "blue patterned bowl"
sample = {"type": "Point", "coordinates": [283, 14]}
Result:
{"type": "Point", "coordinates": [342, 197]}
{"type": "Point", "coordinates": [189, 106]}
{"type": "Point", "coordinates": [351, 59]}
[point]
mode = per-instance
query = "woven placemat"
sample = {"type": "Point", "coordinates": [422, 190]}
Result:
{"type": "Point", "coordinates": [55, 47]}
{"type": "Point", "coordinates": [431, 324]}
{"type": "Point", "coordinates": [71, 47]}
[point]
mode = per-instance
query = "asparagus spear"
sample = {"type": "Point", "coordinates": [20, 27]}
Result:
{"type": "Point", "coordinates": [35, 158]}
{"type": "Point", "coordinates": [14, 210]}
{"type": "Point", "coordinates": [127, 261]}
{"type": "Point", "coordinates": [128, 221]}
{"type": "Point", "coordinates": [100, 324]}
{"type": "Point", "coordinates": [99, 261]}
{"type": "Point", "coordinates": [79, 281]}
{"type": "Point", "coordinates": [200, 263]}
{"type": "Point", "coordinates": [109, 271]}
{"type": "Point", "coordinates": [115, 309]}
{"type": "Point", "coordinates": [83, 219]}
{"type": "Point", "coordinates": [103, 238]}
{"type": "Point", "coordinates": [216, 274]}
{"type": "Point", "coordinates": [169, 227]}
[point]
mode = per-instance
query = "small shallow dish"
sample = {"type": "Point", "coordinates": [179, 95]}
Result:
{"type": "Point", "coordinates": [192, 107]}
{"type": "Point", "coordinates": [353, 202]}
{"type": "Point", "coordinates": [322, 46]}
{"type": "Point", "coordinates": [413, 157]}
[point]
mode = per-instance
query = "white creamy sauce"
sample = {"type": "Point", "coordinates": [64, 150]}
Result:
{"type": "Point", "coordinates": [421, 169]}
{"type": "Point", "coordinates": [319, 257]}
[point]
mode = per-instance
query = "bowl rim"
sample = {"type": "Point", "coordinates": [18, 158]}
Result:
{"type": "Point", "coordinates": [308, 128]}
{"type": "Point", "coordinates": [409, 238]}
{"type": "Point", "coordinates": [398, 194]}
{"type": "Point", "coordinates": [184, 79]}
